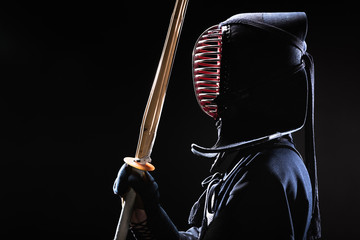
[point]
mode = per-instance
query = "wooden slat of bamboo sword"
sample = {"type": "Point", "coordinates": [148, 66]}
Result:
{"type": "Point", "coordinates": [156, 99]}
{"type": "Point", "coordinates": [152, 113]}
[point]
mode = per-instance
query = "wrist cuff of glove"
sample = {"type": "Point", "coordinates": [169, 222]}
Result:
{"type": "Point", "coordinates": [160, 224]}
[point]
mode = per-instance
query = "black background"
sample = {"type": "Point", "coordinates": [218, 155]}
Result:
{"type": "Point", "coordinates": [75, 78]}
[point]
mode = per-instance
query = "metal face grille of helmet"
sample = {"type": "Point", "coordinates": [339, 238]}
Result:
{"type": "Point", "coordinates": [206, 69]}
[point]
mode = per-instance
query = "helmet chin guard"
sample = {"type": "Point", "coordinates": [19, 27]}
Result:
{"type": "Point", "coordinates": [206, 69]}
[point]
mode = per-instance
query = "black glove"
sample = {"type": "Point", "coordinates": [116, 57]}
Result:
{"type": "Point", "coordinates": [158, 222]}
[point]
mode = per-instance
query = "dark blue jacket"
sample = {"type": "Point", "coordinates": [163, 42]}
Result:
{"type": "Point", "coordinates": [259, 193]}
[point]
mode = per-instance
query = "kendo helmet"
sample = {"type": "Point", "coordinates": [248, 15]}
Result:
{"type": "Point", "coordinates": [256, 63]}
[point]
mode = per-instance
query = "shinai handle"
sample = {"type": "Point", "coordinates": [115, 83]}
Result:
{"type": "Point", "coordinates": [125, 216]}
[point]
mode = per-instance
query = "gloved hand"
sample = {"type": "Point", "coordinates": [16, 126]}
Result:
{"type": "Point", "coordinates": [158, 222]}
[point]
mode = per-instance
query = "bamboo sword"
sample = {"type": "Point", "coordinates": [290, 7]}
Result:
{"type": "Point", "coordinates": [151, 118]}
